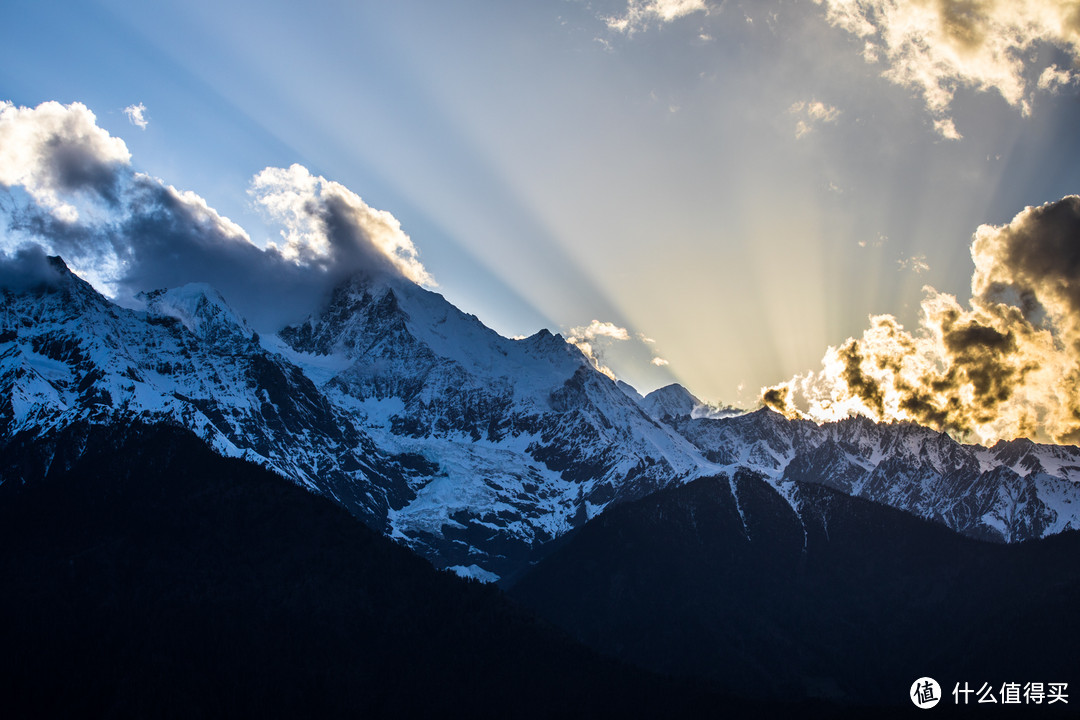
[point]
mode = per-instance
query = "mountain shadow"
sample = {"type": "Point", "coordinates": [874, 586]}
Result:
{"type": "Point", "coordinates": [844, 600]}
{"type": "Point", "coordinates": [145, 576]}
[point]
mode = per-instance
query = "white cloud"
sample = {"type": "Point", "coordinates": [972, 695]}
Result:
{"type": "Point", "coordinates": [946, 128]}
{"type": "Point", "coordinates": [57, 152]}
{"type": "Point", "coordinates": [137, 115]}
{"type": "Point", "coordinates": [811, 113]}
{"type": "Point", "coordinates": [323, 220]}
{"type": "Point", "coordinates": [597, 329]}
{"type": "Point", "coordinates": [877, 242]}
{"type": "Point", "coordinates": [592, 339]}
{"type": "Point", "coordinates": [936, 46]}
{"type": "Point", "coordinates": [640, 13]}
{"type": "Point", "coordinates": [597, 338]}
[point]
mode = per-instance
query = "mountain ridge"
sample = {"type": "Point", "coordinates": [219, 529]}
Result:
{"type": "Point", "coordinates": [473, 449]}
{"type": "Point", "coordinates": [847, 600]}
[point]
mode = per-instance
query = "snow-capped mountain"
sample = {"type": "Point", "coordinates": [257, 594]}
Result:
{"type": "Point", "coordinates": [68, 355]}
{"type": "Point", "coordinates": [1013, 491]}
{"type": "Point", "coordinates": [518, 440]}
{"type": "Point", "coordinates": [670, 401]}
{"type": "Point", "coordinates": [674, 401]}
{"type": "Point", "coordinates": [471, 448]}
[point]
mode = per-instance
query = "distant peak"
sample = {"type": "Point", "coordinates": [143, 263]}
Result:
{"type": "Point", "coordinates": [197, 305]}
{"type": "Point", "coordinates": [670, 401]}
{"type": "Point", "coordinates": [544, 337]}
{"type": "Point", "coordinates": [1021, 442]}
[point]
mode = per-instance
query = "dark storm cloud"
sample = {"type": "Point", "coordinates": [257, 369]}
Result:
{"type": "Point", "coordinates": [75, 168]}
{"type": "Point", "coordinates": [159, 240]}
{"type": "Point", "coordinates": [73, 240]}
{"type": "Point", "coordinates": [860, 384]}
{"type": "Point", "coordinates": [777, 398]}
{"type": "Point", "coordinates": [1037, 256]}
{"type": "Point", "coordinates": [29, 268]}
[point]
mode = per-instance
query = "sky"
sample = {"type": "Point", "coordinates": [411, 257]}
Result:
{"type": "Point", "coordinates": [831, 206]}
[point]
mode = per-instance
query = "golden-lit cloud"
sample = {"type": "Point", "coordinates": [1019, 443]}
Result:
{"type": "Point", "coordinates": [935, 46]}
{"type": "Point", "coordinates": [916, 264]}
{"type": "Point", "coordinates": [1006, 365]}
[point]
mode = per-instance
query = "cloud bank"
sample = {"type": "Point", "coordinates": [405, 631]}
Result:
{"type": "Point", "coordinates": [935, 46]}
{"type": "Point", "coordinates": [1006, 365]}
{"type": "Point", "coordinates": [131, 232]}
{"type": "Point", "coordinates": [28, 268]}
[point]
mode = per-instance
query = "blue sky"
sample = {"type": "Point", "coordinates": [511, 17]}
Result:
{"type": "Point", "coordinates": [741, 183]}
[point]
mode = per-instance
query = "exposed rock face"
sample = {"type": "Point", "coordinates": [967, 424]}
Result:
{"type": "Point", "coordinates": [471, 448]}
{"type": "Point", "coordinates": [1011, 492]}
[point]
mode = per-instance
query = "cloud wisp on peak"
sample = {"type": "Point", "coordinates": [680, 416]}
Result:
{"type": "Point", "coordinates": [131, 232]}
{"type": "Point", "coordinates": [596, 338]}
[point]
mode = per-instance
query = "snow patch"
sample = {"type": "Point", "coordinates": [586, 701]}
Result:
{"type": "Point", "coordinates": [474, 572]}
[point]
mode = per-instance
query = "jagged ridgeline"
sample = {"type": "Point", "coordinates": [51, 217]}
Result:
{"type": "Point", "coordinates": [473, 449]}
{"type": "Point", "coordinates": [746, 554]}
